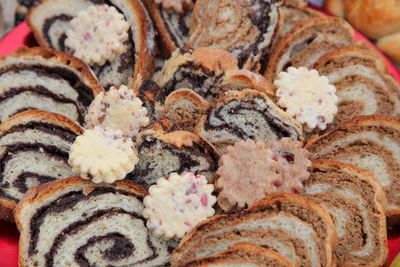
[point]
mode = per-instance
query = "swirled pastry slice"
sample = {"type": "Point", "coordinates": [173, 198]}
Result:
{"type": "Point", "coordinates": [243, 254]}
{"type": "Point", "coordinates": [34, 148]}
{"type": "Point", "coordinates": [75, 222]}
{"type": "Point", "coordinates": [298, 229]}
{"type": "Point", "coordinates": [348, 193]}
{"type": "Point", "coordinates": [41, 78]}
{"type": "Point", "coordinates": [173, 28]}
{"type": "Point", "coordinates": [371, 143]}
{"type": "Point", "coordinates": [361, 87]}
{"type": "Point", "coordinates": [246, 114]}
{"type": "Point", "coordinates": [51, 20]}
{"type": "Point", "coordinates": [295, 12]}
{"type": "Point", "coordinates": [308, 41]}
{"type": "Point", "coordinates": [162, 151]}
{"type": "Point", "coordinates": [244, 28]}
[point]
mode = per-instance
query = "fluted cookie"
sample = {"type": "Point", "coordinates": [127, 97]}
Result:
{"type": "Point", "coordinates": [34, 148]}
{"type": "Point", "coordinates": [246, 114]}
{"type": "Point", "coordinates": [51, 21]}
{"type": "Point", "coordinates": [76, 222]}
{"type": "Point", "coordinates": [41, 78]}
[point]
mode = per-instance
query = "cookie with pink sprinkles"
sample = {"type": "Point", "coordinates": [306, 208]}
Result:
{"type": "Point", "coordinates": [177, 203]}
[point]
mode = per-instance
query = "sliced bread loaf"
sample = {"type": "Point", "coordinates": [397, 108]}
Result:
{"type": "Point", "coordinates": [50, 21]}
{"type": "Point", "coordinates": [246, 114]}
{"type": "Point", "coordinates": [298, 229]}
{"type": "Point", "coordinates": [34, 147]}
{"type": "Point", "coordinates": [173, 28]}
{"type": "Point", "coordinates": [73, 222]}
{"type": "Point", "coordinates": [41, 78]}
{"type": "Point", "coordinates": [371, 143]}
{"type": "Point", "coordinates": [243, 254]}
{"type": "Point", "coordinates": [244, 28]}
{"type": "Point", "coordinates": [362, 88]}
{"type": "Point", "coordinates": [356, 202]}
{"type": "Point", "coordinates": [163, 150]}
{"type": "Point", "coordinates": [306, 42]}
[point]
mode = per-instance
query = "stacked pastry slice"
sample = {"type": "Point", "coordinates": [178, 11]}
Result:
{"type": "Point", "coordinates": [246, 114]}
{"type": "Point", "coordinates": [173, 28]}
{"type": "Point", "coordinates": [34, 147]}
{"type": "Point", "coordinates": [362, 87]}
{"type": "Point", "coordinates": [163, 150]}
{"type": "Point", "coordinates": [244, 28]}
{"type": "Point", "coordinates": [243, 254]}
{"type": "Point", "coordinates": [356, 203]}
{"type": "Point", "coordinates": [371, 143]}
{"type": "Point", "coordinates": [51, 20]}
{"type": "Point", "coordinates": [41, 78]}
{"type": "Point", "coordinates": [306, 42]}
{"type": "Point", "coordinates": [73, 222]}
{"type": "Point", "coordinates": [298, 229]}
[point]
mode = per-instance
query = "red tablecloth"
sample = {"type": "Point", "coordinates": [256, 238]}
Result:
{"type": "Point", "coordinates": [20, 36]}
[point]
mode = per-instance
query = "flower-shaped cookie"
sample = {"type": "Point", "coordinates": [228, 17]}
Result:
{"type": "Point", "coordinates": [177, 203]}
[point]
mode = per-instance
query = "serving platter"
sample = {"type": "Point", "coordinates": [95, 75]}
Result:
{"type": "Point", "coordinates": [22, 36]}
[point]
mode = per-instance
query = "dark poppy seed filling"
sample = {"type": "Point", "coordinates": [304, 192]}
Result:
{"type": "Point", "coordinates": [96, 224]}
{"type": "Point", "coordinates": [51, 74]}
{"type": "Point", "coordinates": [195, 77]}
{"type": "Point", "coordinates": [152, 165]}
{"type": "Point", "coordinates": [245, 29]}
{"type": "Point", "coordinates": [33, 151]}
{"type": "Point", "coordinates": [177, 26]}
{"type": "Point", "coordinates": [237, 108]}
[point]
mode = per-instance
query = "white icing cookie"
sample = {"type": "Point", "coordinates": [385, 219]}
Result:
{"type": "Point", "coordinates": [103, 155]}
{"type": "Point", "coordinates": [307, 97]}
{"type": "Point", "coordinates": [97, 34]}
{"type": "Point", "coordinates": [177, 203]}
{"type": "Point", "coordinates": [119, 108]}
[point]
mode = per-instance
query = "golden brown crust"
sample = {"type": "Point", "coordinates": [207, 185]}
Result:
{"type": "Point", "coordinates": [250, 80]}
{"type": "Point", "coordinates": [380, 60]}
{"type": "Point", "coordinates": [290, 37]}
{"type": "Point", "coordinates": [41, 115]}
{"type": "Point", "coordinates": [247, 250]}
{"type": "Point", "coordinates": [187, 94]}
{"type": "Point", "coordinates": [166, 44]}
{"type": "Point", "coordinates": [145, 61]}
{"type": "Point", "coordinates": [6, 210]}
{"type": "Point", "coordinates": [42, 192]}
{"type": "Point", "coordinates": [48, 54]}
{"type": "Point", "coordinates": [374, 18]}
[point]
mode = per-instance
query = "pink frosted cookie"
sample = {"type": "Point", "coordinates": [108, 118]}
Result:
{"type": "Point", "coordinates": [177, 203]}
{"type": "Point", "coordinates": [119, 108]}
{"type": "Point", "coordinates": [251, 170]}
{"type": "Point", "coordinates": [293, 161]}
